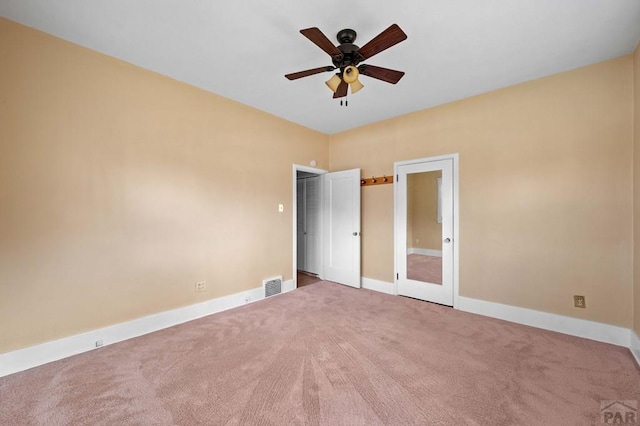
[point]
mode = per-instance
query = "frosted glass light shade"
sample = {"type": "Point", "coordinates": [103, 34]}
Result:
{"type": "Point", "coordinates": [333, 82]}
{"type": "Point", "coordinates": [355, 86]}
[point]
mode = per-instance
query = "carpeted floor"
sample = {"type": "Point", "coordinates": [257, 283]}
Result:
{"type": "Point", "coordinates": [332, 355]}
{"type": "Point", "coordinates": [424, 268]}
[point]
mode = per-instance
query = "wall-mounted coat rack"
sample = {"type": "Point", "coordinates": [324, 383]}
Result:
{"type": "Point", "coordinates": [376, 180]}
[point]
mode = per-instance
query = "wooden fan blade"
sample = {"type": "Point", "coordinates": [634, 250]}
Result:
{"type": "Point", "coordinates": [341, 92]}
{"type": "Point", "coordinates": [384, 74]}
{"type": "Point", "coordinates": [306, 73]}
{"type": "Point", "coordinates": [389, 37]}
{"type": "Point", "coordinates": [319, 39]}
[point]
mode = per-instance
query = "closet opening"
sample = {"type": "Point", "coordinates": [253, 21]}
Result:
{"type": "Point", "coordinates": [307, 259]}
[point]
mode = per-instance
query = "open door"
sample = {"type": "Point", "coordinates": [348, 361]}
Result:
{"type": "Point", "coordinates": [341, 217]}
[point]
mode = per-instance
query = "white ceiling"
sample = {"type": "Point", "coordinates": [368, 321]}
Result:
{"type": "Point", "coordinates": [242, 49]}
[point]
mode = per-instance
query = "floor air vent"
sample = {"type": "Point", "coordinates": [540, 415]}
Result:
{"type": "Point", "coordinates": [272, 286]}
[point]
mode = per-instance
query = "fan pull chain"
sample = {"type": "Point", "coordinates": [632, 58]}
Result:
{"type": "Point", "coordinates": [346, 101]}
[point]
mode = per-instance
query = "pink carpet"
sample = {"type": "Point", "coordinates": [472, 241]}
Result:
{"type": "Point", "coordinates": [327, 354]}
{"type": "Point", "coordinates": [424, 268]}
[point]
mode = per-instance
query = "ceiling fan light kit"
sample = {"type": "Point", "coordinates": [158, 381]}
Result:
{"type": "Point", "coordinates": [355, 86]}
{"type": "Point", "coordinates": [334, 82]}
{"type": "Point", "coordinates": [350, 74]}
{"type": "Point", "coordinates": [347, 57]}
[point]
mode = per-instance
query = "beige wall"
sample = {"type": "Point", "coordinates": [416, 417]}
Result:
{"type": "Point", "coordinates": [636, 188]}
{"type": "Point", "coordinates": [545, 189]}
{"type": "Point", "coordinates": [423, 229]}
{"type": "Point", "coordinates": [120, 188]}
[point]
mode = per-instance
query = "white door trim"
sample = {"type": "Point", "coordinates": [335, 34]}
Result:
{"type": "Point", "coordinates": [294, 215]}
{"type": "Point", "coordinates": [456, 221]}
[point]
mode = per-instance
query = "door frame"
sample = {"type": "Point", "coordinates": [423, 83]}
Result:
{"type": "Point", "coordinates": [294, 215]}
{"type": "Point", "coordinates": [456, 221]}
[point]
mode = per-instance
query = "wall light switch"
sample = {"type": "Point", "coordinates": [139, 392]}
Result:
{"type": "Point", "coordinates": [280, 208]}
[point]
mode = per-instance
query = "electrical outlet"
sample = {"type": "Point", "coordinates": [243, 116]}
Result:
{"type": "Point", "coordinates": [579, 301]}
{"type": "Point", "coordinates": [201, 286]}
{"type": "Point", "coordinates": [99, 343]}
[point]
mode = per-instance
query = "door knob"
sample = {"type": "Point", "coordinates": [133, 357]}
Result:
{"type": "Point", "coordinates": [447, 240]}
{"type": "Point", "coordinates": [355, 234]}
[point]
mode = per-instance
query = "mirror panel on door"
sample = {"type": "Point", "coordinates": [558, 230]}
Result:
{"type": "Point", "coordinates": [424, 227]}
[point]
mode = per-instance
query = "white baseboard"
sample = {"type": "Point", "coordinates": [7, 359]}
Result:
{"type": "Point", "coordinates": [376, 285]}
{"type": "Point", "coordinates": [634, 347]}
{"type": "Point", "coordinates": [33, 356]}
{"type": "Point", "coordinates": [288, 286]}
{"type": "Point", "coordinates": [424, 252]}
{"type": "Point", "coordinates": [568, 325]}
{"type": "Point", "coordinates": [23, 359]}
{"type": "Point", "coordinates": [562, 324]}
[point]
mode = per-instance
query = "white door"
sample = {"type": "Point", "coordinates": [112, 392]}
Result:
{"type": "Point", "coordinates": [424, 230]}
{"type": "Point", "coordinates": [341, 216]}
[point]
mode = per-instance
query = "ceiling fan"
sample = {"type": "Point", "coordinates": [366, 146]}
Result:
{"type": "Point", "coordinates": [347, 56]}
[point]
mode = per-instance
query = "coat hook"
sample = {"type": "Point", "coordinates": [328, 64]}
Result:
{"type": "Point", "coordinates": [384, 178]}
{"type": "Point", "coordinates": [373, 179]}
{"type": "Point", "coordinates": [363, 181]}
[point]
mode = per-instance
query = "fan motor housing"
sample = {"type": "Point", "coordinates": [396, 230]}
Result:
{"type": "Point", "coordinates": [346, 38]}
{"type": "Point", "coordinates": [348, 57]}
